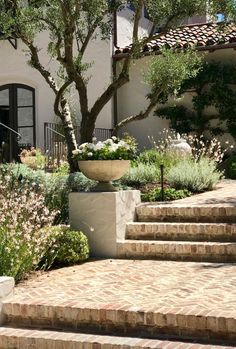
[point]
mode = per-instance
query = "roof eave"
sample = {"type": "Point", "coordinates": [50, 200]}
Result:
{"type": "Point", "coordinates": [210, 48]}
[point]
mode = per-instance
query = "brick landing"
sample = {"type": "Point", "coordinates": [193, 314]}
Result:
{"type": "Point", "coordinates": [155, 296]}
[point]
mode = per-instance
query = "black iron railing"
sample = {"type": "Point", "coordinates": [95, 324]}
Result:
{"type": "Point", "coordinates": [6, 148]}
{"type": "Point", "coordinates": [55, 144]}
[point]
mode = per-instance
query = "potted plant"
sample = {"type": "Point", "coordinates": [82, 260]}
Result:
{"type": "Point", "coordinates": [33, 158]}
{"type": "Point", "coordinates": [105, 161]}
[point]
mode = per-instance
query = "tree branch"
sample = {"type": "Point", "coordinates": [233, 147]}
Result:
{"type": "Point", "coordinates": [142, 115]}
{"type": "Point", "coordinates": [59, 97]}
{"type": "Point", "coordinates": [34, 60]}
{"type": "Point", "coordinates": [69, 65]}
{"type": "Point", "coordinates": [88, 37]}
{"type": "Point", "coordinates": [123, 77]}
{"type": "Point", "coordinates": [137, 17]}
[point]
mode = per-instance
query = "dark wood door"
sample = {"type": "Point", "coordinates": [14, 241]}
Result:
{"type": "Point", "coordinates": [17, 120]}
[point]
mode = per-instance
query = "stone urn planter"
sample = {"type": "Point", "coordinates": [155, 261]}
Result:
{"type": "Point", "coordinates": [180, 147]}
{"type": "Point", "coordinates": [104, 171]}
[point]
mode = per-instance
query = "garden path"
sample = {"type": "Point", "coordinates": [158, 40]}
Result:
{"type": "Point", "coordinates": [199, 297]}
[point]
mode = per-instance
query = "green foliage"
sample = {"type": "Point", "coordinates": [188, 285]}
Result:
{"type": "Point", "coordinates": [194, 176]}
{"type": "Point", "coordinates": [141, 175]}
{"type": "Point", "coordinates": [158, 158]}
{"type": "Point", "coordinates": [169, 13]}
{"type": "Point", "coordinates": [70, 247]}
{"type": "Point", "coordinates": [227, 7]}
{"type": "Point", "coordinates": [55, 187]}
{"type": "Point", "coordinates": [169, 194]}
{"type": "Point", "coordinates": [23, 176]}
{"type": "Point", "coordinates": [58, 189]}
{"type": "Point", "coordinates": [150, 156]}
{"type": "Point", "coordinates": [214, 86]}
{"type": "Point", "coordinates": [168, 71]}
{"type": "Point", "coordinates": [63, 169]}
{"type": "Point", "coordinates": [230, 167]}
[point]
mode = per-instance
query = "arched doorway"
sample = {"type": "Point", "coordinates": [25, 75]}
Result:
{"type": "Point", "coordinates": [17, 120]}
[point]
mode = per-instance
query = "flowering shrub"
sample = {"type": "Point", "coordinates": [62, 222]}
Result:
{"type": "Point", "coordinates": [54, 187]}
{"type": "Point", "coordinates": [212, 149]}
{"type": "Point", "coordinates": [111, 149]}
{"type": "Point", "coordinates": [23, 213]}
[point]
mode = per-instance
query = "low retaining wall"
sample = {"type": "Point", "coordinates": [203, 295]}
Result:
{"type": "Point", "coordinates": [103, 217]}
{"type": "Point", "coordinates": [6, 290]}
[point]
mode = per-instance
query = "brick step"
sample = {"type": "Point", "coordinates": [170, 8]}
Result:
{"type": "Point", "coordinates": [181, 231]}
{"type": "Point", "coordinates": [197, 323]}
{"type": "Point", "coordinates": [178, 250]}
{"type": "Point", "coordinates": [16, 338]}
{"type": "Point", "coordinates": [181, 213]}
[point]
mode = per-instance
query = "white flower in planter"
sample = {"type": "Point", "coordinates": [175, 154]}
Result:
{"type": "Point", "coordinates": [111, 149]}
{"type": "Point", "coordinates": [99, 145]}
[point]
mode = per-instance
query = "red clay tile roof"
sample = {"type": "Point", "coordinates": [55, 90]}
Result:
{"type": "Point", "coordinates": [198, 35]}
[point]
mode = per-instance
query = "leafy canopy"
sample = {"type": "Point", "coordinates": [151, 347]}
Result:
{"type": "Point", "coordinates": [167, 72]}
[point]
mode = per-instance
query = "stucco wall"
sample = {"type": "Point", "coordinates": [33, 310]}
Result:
{"type": "Point", "coordinates": [14, 69]}
{"type": "Point", "coordinates": [125, 27]}
{"type": "Point", "coordinates": [99, 53]}
{"type": "Point", "coordinates": [132, 99]}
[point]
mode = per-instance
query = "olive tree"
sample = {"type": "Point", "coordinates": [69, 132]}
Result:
{"type": "Point", "coordinates": [71, 26]}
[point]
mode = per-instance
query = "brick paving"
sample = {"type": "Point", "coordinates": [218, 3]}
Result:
{"type": "Point", "coordinates": [177, 286]}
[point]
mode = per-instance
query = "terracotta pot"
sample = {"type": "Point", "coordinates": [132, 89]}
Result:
{"type": "Point", "coordinates": [104, 171]}
{"type": "Point", "coordinates": [29, 161]}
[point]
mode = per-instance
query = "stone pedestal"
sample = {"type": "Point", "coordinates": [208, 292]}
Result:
{"type": "Point", "coordinates": [6, 290]}
{"type": "Point", "coordinates": [103, 217]}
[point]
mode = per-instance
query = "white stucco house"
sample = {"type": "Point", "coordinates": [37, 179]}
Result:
{"type": "Point", "coordinates": [26, 101]}
{"type": "Point", "coordinates": [216, 45]}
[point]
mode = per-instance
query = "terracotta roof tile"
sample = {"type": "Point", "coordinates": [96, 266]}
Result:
{"type": "Point", "coordinates": [201, 35]}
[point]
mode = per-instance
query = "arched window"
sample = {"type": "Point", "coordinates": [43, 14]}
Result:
{"type": "Point", "coordinates": [17, 118]}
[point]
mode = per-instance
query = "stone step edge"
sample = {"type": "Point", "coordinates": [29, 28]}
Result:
{"type": "Point", "coordinates": [185, 206]}
{"type": "Point", "coordinates": [188, 251]}
{"type": "Point", "coordinates": [152, 213]}
{"type": "Point", "coordinates": [182, 242]}
{"type": "Point", "coordinates": [223, 224]}
{"type": "Point", "coordinates": [44, 339]}
{"type": "Point", "coordinates": [199, 324]}
{"type": "Point", "coordinates": [218, 232]}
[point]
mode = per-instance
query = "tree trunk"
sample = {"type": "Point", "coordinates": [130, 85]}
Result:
{"type": "Point", "coordinates": [71, 145]}
{"type": "Point", "coordinates": [87, 128]}
{"type": "Point", "coordinates": [70, 140]}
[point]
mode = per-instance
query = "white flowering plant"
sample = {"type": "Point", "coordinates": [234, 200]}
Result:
{"type": "Point", "coordinates": [111, 149]}
{"type": "Point", "coordinates": [212, 149]}
{"type": "Point", "coordinates": [23, 214]}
